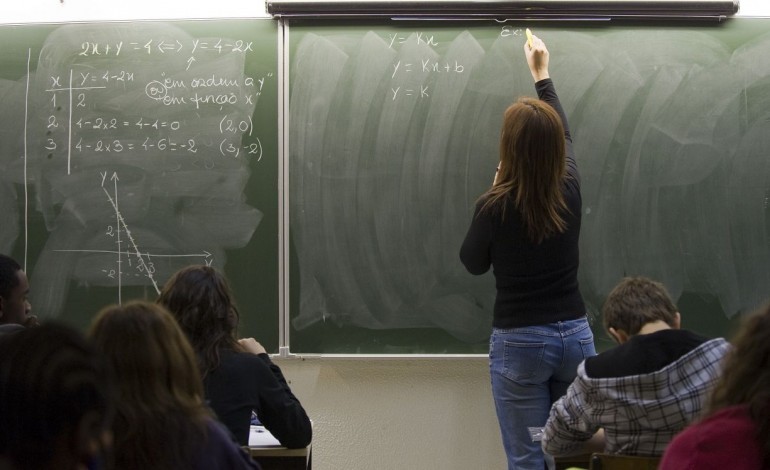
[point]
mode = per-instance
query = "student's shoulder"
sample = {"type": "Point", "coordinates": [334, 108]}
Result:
{"type": "Point", "coordinates": [629, 358]}
{"type": "Point", "coordinates": [245, 359]}
{"type": "Point", "coordinates": [643, 354]}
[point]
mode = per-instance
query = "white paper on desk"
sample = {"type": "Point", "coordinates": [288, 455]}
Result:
{"type": "Point", "coordinates": [261, 437]}
{"type": "Point", "coordinates": [536, 434]}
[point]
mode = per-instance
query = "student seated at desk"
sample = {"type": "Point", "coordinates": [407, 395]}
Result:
{"type": "Point", "coordinates": [162, 421]}
{"type": "Point", "coordinates": [238, 375]}
{"type": "Point", "coordinates": [56, 400]}
{"type": "Point", "coordinates": [14, 292]}
{"type": "Point", "coordinates": [735, 434]}
{"type": "Point", "coordinates": [642, 392]}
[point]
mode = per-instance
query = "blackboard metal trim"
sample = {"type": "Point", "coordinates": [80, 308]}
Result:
{"type": "Point", "coordinates": [557, 18]}
{"type": "Point", "coordinates": [534, 9]}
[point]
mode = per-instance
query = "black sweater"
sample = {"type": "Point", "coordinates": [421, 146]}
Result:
{"type": "Point", "coordinates": [643, 354]}
{"type": "Point", "coordinates": [244, 382]}
{"type": "Point", "coordinates": [536, 283]}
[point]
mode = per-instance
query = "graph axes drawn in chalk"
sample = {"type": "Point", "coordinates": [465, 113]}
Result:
{"type": "Point", "coordinates": [132, 247]}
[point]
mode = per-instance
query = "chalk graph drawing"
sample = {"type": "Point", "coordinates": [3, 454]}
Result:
{"type": "Point", "coordinates": [131, 263]}
{"type": "Point", "coordinates": [127, 187]}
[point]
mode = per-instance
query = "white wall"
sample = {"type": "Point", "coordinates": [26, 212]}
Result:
{"type": "Point", "coordinates": [368, 414]}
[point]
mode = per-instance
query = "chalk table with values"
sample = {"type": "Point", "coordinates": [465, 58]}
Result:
{"type": "Point", "coordinates": [265, 449]}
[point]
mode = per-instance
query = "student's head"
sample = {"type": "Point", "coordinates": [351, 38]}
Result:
{"type": "Point", "coordinates": [532, 166]}
{"type": "Point", "coordinates": [745, 378]}
{"type": "Point", "coordinates": [56, 399]}
{"type": "Point", "coordinates": [635, 302]}
{"type": "Point", "coordinates": [746, 371]}
{"type": "Point", "coordinates": [160, 409]}
{"type": "Point", "coordinates": [200, 299]}
{"type": "Point", "coordinates": [149, 353]}
{"type": "Point", "coordinates": [14, 290]}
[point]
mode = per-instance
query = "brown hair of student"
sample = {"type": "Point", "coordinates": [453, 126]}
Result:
{"type": "Point", "coordinates": [56, 400]}
{"type": "Point", "coordinates": [636, 301]}
{"type": "Point", "coordinates": [746, 376]}
{"type": "Point", "coordinates": [200, 299]}
{"type": "Point", "coordinates": [161, 413]}
{"type": "Point", "coordinates": [532, 168]}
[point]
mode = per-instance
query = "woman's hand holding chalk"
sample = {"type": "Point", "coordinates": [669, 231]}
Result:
{"type": "Point", "coordinates": [537, 56]}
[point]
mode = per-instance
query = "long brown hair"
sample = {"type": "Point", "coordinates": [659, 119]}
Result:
{"type": "Point", "coordinates": [746, 376]}
{"type": "Point", "coordinates": [51, 380]}
{"type": "Point", "coordinates": [532, 168]}
{"type": "Point", "coordinates": [200, 299]}
{"type": "Point", "coordinates": [161, 416]}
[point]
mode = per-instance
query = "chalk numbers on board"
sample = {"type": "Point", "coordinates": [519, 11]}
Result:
{"type": "Point", "coordinates": [81, 124]}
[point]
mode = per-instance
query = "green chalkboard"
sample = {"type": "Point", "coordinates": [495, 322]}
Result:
{"type": "Point", "coordinates": [132, 149]}
{"type": "Point", "coordinates": [394, 131]}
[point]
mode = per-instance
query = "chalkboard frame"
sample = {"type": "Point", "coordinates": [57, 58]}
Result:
{"type": "Point", "coordinates": [690, 302]}
{"type": "Point", "coordinates": [255, 265]}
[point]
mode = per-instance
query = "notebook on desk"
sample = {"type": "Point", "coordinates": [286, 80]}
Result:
{"type": "Point", "coordinates": [261, 437]}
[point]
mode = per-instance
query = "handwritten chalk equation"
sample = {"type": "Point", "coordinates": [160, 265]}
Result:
{"type": "Point", "coordinates": [418, 38]}
{"type": "Point", "coordinates": [164, 46]}
{"type": "Point", "coordinates": [421, 92]}
{"type": "Point", "coordinates": [75, 127]}
{"type": "Point", "coordinates": [418, 66]}
{"type": "Point", "coordinates": [428, 66]}
{"type": "Point", "coordinates": [106, 123]}
{"type": "Point", "coordinates": [117, 146]}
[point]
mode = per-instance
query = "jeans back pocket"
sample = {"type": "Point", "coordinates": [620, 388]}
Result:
{"type": "Point", "coordinates": [522, 360]}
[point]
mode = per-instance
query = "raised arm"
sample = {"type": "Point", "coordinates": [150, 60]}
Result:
{"type": "Point", "coordinates": [538, 60]}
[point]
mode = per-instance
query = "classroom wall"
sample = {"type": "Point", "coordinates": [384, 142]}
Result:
{"type": "Point", "coordinates": [368, 413]}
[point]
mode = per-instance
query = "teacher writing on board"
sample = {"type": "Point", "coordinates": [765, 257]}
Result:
{"type": "Point", "coordinates": [526, 226]}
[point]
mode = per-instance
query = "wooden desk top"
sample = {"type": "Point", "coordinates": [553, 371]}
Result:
{"type": "Point", "coordinates": [278, 452]}
{"type": "Point", "coordinates": [264, 444]}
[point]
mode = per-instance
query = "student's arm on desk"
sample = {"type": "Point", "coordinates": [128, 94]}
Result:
{"type": "Point", "coordinates": [281, 412]}
{"type": "Point", "coordinates": [277, 408]}
{"type": "Point", "coordinates": [593, 445]}
{"type": "Point", "coordinates": [570, 429]}
{"type": "Point", "coordinates": [269, 453]}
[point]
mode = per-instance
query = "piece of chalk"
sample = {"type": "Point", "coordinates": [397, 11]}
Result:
{"type": "Point", "coordinates": [529, 38]}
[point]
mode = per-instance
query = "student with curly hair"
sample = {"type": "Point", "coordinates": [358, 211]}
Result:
{"type": "Point", "coordinates": [736, 431]}
{"type": "Point", "coordinates": [238, 376]}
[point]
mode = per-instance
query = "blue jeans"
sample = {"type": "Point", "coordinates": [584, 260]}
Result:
{"type": "Point", "coordinates": [531, 367]}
